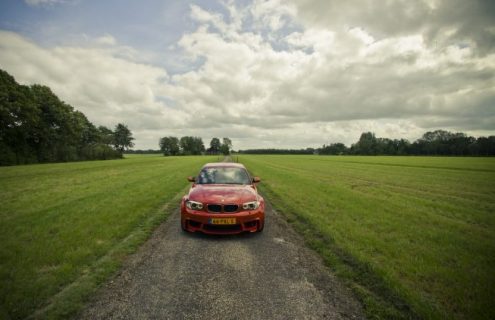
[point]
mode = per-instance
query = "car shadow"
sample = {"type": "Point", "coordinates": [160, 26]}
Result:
{"type": "Point", "coordinates": [221, 237]}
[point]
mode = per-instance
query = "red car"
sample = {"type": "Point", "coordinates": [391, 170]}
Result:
{"type": "Point", "coordinates": [223, 199]}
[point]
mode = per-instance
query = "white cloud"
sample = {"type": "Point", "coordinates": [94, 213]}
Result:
{"type": "Point", "coordinates": [106, 40]}
{"type": "Point", "coordinates": [43, 2]}
{"type": "Point", "coordinates": [343, 76]}
{"type": "Point", "coordinates": [281, 74]}
{"type": "Point", "coordinates": [274, 14]}
{"type": "Point", "coordinates": [440, 22]}
{"type": "Point", "coordinates": [108, 89]}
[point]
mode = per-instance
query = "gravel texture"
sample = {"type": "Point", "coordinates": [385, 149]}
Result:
{"type": "Point", "coordinates": [268, 275]}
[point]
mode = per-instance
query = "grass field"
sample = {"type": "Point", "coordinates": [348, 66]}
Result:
{"type": "Point", "coordinates": [413, 236]}
{"type": "Point", "coordinates": [64, 228]}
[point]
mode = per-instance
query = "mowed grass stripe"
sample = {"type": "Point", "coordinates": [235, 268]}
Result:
{"type": "Point", "coordinates": [57, 220]}
{"type": "Point", "coordinates": [448, 193]}
{"type": "Point", "coordinates": [426, 233]}
{"type": "Point", "coordinates": [448, 163]}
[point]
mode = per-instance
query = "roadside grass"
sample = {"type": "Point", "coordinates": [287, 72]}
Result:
{"type": "Point", "coordinates": [413, 236]}
{"type": "Point", "coordinates": [64, 228]}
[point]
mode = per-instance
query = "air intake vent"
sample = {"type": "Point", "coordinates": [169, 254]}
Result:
{"type": "Point", "coordinates": [230, 208]}
{"type": "Point", "coordinates": [214, 208]}
{"type": "Point", "coordinates": [217, 208]}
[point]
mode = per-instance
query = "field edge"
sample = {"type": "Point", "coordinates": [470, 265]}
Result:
{"type": "Point", "coordinates": [70, 300]}
{"type": "Point", "coordinates": [379, 300]}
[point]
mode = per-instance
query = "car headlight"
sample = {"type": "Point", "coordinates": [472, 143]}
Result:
{"type": "Point", "coordinates": [253, 205]}
{"type": "Point", "coordinates": [194, 205]}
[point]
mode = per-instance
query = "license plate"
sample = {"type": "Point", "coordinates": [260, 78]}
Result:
{"type": "Point", "coordinates": [222, 221]}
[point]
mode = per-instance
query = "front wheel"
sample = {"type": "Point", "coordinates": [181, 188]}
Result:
{"type": "Point", "coordinates": [260, 227]}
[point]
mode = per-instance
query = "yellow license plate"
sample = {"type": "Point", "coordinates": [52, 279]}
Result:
{"type": "Point", "coordinates": [223, 221]}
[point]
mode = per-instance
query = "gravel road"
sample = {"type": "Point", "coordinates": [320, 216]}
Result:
{"type": "Point", "coordinates": [270, 275]}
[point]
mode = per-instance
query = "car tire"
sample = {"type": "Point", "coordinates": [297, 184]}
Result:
{"type": "Point", "coordinates": [260, 229]}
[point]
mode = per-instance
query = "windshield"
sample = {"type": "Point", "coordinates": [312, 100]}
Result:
{"type": "Point", "coordinates": [220, 175]}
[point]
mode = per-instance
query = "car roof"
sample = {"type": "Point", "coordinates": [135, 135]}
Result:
{"type": "Point", "coordinates": [225, 165]}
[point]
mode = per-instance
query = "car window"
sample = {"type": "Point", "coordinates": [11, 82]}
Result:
{"type": "Point", "coordinates": [219, 175]}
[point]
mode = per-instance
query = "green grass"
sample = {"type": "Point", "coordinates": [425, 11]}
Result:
{"type": "Point", "coordinates": [64, 228]}
{"type": "Point", "coordinates": [413, 236]}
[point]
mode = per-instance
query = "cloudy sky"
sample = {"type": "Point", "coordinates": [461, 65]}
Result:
{"type": "Point", "coordinates": [266, 73]}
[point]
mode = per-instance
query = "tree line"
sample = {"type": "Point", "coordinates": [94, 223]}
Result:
{"type": "Point", "coordinates": [438, 142]}
{"type": "Point", "coordinates": [173, 146]}
{"type": "Point", "coordinates": [279, 151]}
{"type": "Point", "coordinates": [37, 127]}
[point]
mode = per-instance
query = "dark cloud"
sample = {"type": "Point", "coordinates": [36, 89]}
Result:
{"type": "Point", "coordinates": [441, 22]}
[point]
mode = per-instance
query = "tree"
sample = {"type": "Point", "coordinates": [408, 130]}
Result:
{"type": "Point", "coordinates": [106, 135]}
{"type": "Point", "coordinates": [36, 126]}
{"type": "Point", "coordinates": [334, 148]}
{"type": "Point", "coordinates": [169, 146]}
{"type": "Point", "coordinates": [214, 146]}
{"type": "Point", "coordinates": [366, 145]}
{"type": "Point", "coordinates": [403, 147]}
{"type": "Point", "coordinates": [191, 145]}
{"type": "Point", "coordinates": [441, 142]}
{"type": "Point", "coordinates": [484, 146]}
{"type": "Point", "coordinates": [19, 118]}
{"type": "Point", "coordinates": [226, 146]}
{"type": "Point", "coordinates": [122, 137]}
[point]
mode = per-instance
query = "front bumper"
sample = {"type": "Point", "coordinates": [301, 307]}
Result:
{"type": "Point", "coordinates": [246, 221]}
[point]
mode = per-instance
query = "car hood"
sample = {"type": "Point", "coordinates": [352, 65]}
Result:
{"type": "Point", "coordinates": [233, 194]}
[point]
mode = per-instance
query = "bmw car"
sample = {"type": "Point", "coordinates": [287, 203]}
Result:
{"type": "Point", "coordinates": [223, 199]}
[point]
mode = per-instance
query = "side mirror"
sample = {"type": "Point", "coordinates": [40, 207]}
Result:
{"type": "Point", "coordinates": [191, 179]}
{"type": "Point", "coordinates": [256, 179]}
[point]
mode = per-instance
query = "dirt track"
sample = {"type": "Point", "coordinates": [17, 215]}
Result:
{"type": "Point", "coordinates": [251, 276]}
